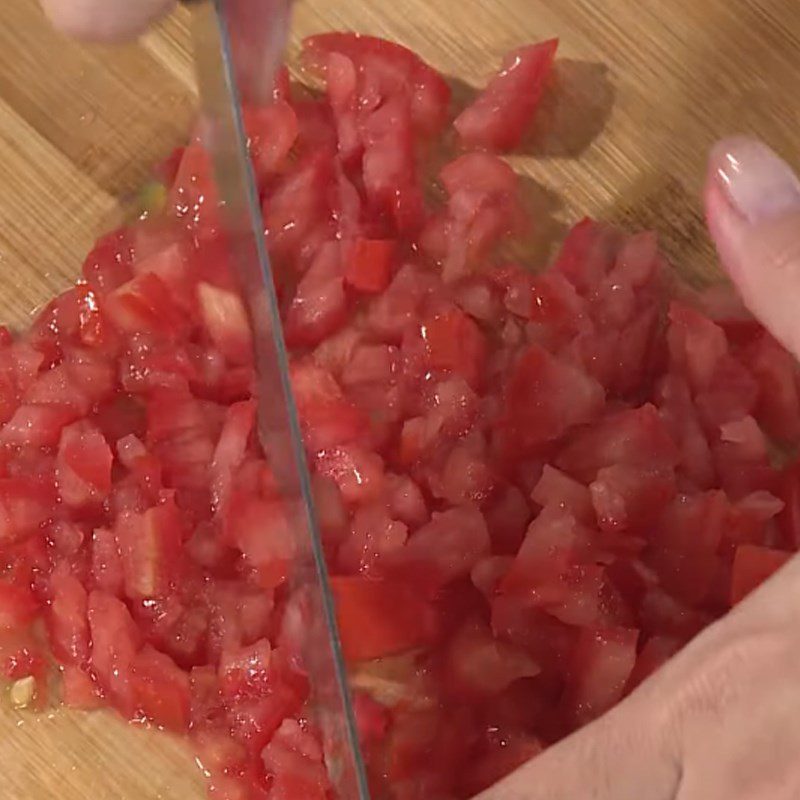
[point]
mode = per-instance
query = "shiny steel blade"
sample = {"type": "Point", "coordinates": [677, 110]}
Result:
{"type": "Point", "coordinates": [239, 44]}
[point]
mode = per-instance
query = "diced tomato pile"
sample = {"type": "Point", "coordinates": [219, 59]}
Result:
{"type": "Point", "coordinates": [533, 487]}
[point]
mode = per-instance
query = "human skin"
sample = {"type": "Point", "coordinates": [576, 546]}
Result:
{"type": "Point", "coordinates": [721, 721]}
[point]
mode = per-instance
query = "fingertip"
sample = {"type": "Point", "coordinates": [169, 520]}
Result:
{"type": "Point", "coordinates": [725, 224]}
{"type": "Point", "coordinates": [104, 20]}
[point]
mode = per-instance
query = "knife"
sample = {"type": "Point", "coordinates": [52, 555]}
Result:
{"type": "Point", "coordinates": [238, 47]}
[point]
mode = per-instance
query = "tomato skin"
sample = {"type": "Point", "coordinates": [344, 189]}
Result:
{"type": "Point", "coordinates": [497, 119]}
{"type": "Point", "coordinates": [752, 565]}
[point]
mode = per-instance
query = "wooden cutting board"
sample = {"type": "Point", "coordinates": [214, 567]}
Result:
{"type": "Point", "coordinates": [643, 89]}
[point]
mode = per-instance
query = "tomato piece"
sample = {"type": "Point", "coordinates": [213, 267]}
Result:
{"type": "Point", "coordinates": [601, 667]}
{"type": "Point", "coordinates": [558, 489]}
{"type": "Point", "coordinates": [630, 498]}
{"type": "Point", "coordinates": [680, 417]}
{"type": "Point", "coordinates": [685, 542]}
{"type": "Point", "coordinates": [150, 546]}
{"type": "Point", "coordinates": [106, 562]}
{"type": "Point", "coordinates": [369, 265]}
{"type": "Point", "coordinates": [327, 417]}
{"type": "Point", "coordinates": [271, 132]}
{"type": "Point", "coordinates": [299, 205]}
{"type": "Point", "coordinates": [478, 665]}
{"type": "Point", "coordinates": [389, 166]}
{"type": "Point", "coordinates": [453, 342]}
{"type": "Point", "coordinates": [262, 531]}
{"type": "Point", "coordinates": [373, 535]}
{"type": "Point", "coordinates": [193, 198]}
{"type": "Point", "coordinates": [696, 345]}
{"type": "Point", "coordinates": [319, 306]}
{"type": "Point", "coordinates": [145, 304]}
{"type": "Point", "coordinates": [442, 550]}
{"type": "Point", "coordinates": [498, 117]}
{"type": "Point", "coordinates": [752, 565]}
{"type": "Point", "coordinates": [68, 623]}
{"type": "Point", "coordinates": [21, 656]}
{"type": "Point", "coordinates": [483, 206]}
{"type": "Point", "coordinates": [380, 617]}
{"type": "Point", "coordinates": [83, 465]}
{"type": "Point", "coordinates": [37, 425]}
{"type": "Point", "coordinates": [226, 321]}
{"type": "Point", "coordinates": [231, 449]}
{"type": "Point", "coordinates": [160, 690]}
{"type": "Point", "coordinates": [387, 68]}
{"type": "Point", "coordinates": [636, 437]}
{"type": "Point", "coordinates": [78, 690]}
{"type": "Point", "coordinates": [115, 641]}
{"type": "Point", "coordinates": [359, 473]}
{"type": "Point", "coordinates": [294, 761]}
{"type": "Point", "coordinates": [25, 505]}
{"type": "Point", "coordinates": [545, 397]}
{"type": "Point", "coordinates": [18, 606]}
{"type": "Point", "coordinates": [108, 264]}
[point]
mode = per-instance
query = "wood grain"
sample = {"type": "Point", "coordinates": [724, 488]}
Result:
{"type": "Point", "coordinates": [642, 91]}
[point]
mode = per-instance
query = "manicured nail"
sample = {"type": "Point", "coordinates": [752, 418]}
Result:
{"type": "Point", "coordinates": [757, 182]}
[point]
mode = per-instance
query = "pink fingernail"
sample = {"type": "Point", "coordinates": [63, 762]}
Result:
{"type": "Point", "coordinates": [758, 183]}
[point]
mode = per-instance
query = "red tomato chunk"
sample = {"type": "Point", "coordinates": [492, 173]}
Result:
{"type": "Point", "coordinates": [534, 484]}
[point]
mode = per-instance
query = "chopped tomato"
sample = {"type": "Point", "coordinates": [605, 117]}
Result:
{"type": "Point", "coordinates": [517, 474]}
{"type": "Point", "coordinates": [498, 117]}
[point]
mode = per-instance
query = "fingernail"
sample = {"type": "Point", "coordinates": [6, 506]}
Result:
{"type": "Point", "coordinates": [757, 182]}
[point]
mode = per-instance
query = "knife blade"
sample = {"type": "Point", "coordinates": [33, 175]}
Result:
{"type": "Point", "coordinates": [238, 48]}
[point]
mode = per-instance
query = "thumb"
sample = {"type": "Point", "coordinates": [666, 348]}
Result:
{"type": "Point", "coordinates": [630, 752]}
{"type": "Point", "coordinates": [752, 200]}
{"type": "Point", "coordinates": [104, 20]}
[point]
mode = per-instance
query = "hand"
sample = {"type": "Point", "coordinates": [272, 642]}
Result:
{"type": "Point", "coordinates": [719, 721]}
{"type": "Point", "coordinates": [105, 20]}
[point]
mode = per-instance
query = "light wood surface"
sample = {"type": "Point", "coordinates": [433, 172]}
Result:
{"type": "Point", "coordinates": [644, 88]}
